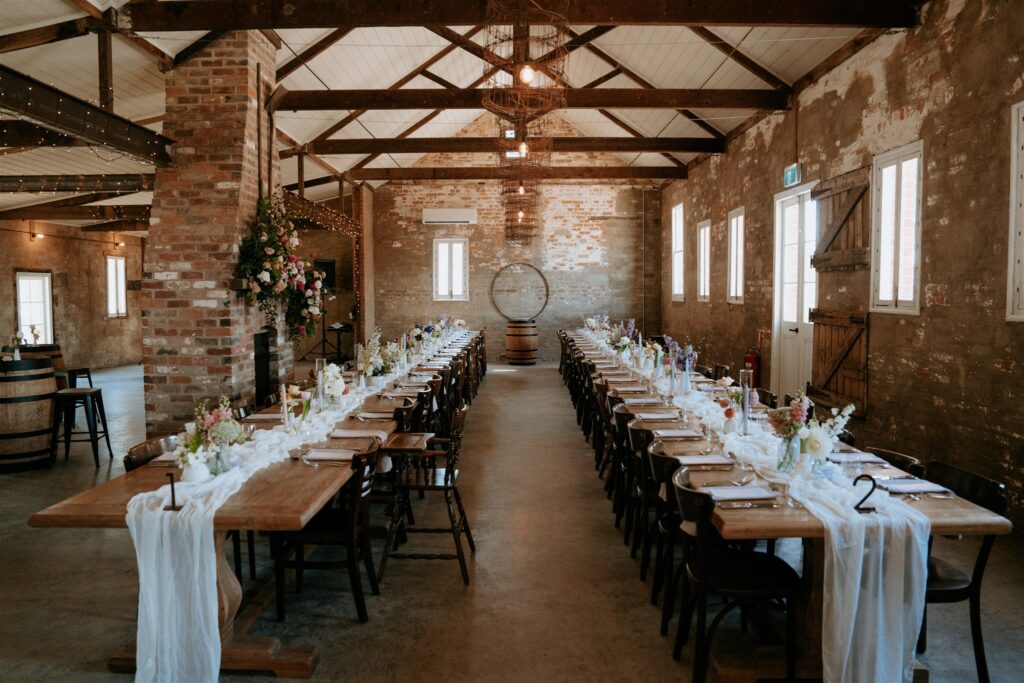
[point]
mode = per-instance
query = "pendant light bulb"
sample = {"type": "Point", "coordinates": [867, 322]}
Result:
{"type": "Point", "coordinates": [522, 190]}
{"type": "Point", "coordinates": [521, 214]}
{"type": "Point", "coordinates": [523, 149]}
{"type": "Point", "coordinates": [526, 74]}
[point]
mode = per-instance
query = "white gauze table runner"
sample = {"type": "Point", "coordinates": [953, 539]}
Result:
{"type": "Point", "coordinates": [875, 573]}
{"type": "Point", "coordinates": [178, 634]}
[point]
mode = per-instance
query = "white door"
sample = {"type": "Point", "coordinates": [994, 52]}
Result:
{"type": "Point", "coordinates": [796, 290]}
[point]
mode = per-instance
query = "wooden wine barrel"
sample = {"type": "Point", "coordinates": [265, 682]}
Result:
{"type": "Point", "coordinates": [51, 351]}
{"type": "Point", "coordinates": [521, 342]}
{"type": "Point", "coordinates": [26, 413]}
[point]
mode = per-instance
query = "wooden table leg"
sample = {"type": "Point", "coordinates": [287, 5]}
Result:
{"type": "Point", "coordinates": [240, 651]}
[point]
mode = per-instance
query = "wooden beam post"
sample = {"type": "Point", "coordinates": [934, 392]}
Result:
{"type": "Point", "coordinates": [105, 53]}
{"type": "Point", "coordinates": [77, 183]}
{"type": "Point", "coordinates": [491, 145]}
{"type": "Point", "coordinates": [300, 159]}
{"type": "Point", "coordinates": [530, 173]}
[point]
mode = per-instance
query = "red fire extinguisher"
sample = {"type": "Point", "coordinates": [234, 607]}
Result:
{"type": "Point", "coordinates": [752, 361]}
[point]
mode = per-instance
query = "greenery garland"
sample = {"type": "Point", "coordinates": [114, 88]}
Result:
{"type": "Point", "coordinates": [277, 278]}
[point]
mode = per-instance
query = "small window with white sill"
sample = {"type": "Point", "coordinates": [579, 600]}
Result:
{"type": "Point", "coordinates": [704, 261]}
{"type": "Point", "coordinates": [117, 287]}
{"type": "Point", "coordinates": [35, 307]}
{"type": "Point", "coordinates": [451, 267]}
{"type": "Point", "coordinates": [735, 293]}
{"type": "Point", "coordinates": [896, 179]}
{"type": "Point", "coordinates": [677, 253]}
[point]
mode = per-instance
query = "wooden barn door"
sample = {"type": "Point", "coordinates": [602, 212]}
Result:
{"type": "Point", "coordinates": [839, 372]}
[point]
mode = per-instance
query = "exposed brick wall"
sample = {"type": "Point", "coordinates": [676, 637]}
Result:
{"type": "Point", "coordinates": [589, 248]}
{"type": "Point", "coordinates": [77, 263]}
{"type": "Point", "coordinates": [945, 384]}
{"type": "Point", "coordinates": [198, 334]}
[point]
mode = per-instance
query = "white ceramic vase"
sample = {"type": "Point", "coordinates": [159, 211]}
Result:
{"type": "Point", "coordinates": [196, 474]}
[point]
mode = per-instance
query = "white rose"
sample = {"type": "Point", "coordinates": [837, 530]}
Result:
{"type": "Point", "coordinates": [623, 341]}
{"type": "Point", "coordinates": [264, 276]}
{"type": "Point", "coordinates": [803, 433]}
{"type": "Point", "coordinates": [819, 443]}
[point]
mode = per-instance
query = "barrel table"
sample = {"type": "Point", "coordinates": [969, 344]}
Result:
{"type": "Point", "coordinates": [26, 413]}
{"type": "Point", "coordinates": [521, 342]}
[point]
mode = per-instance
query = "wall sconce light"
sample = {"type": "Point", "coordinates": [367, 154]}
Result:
{"type": "Point", "coordinates": [36, 236]}
{"type": "Point", "coordinates": [119, 244]}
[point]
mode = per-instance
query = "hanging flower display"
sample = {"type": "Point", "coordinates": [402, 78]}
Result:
{"type": "Point", "coordinates": [277, 278]}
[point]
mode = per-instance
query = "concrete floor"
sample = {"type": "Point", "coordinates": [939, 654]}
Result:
{"type": "Point", "coordinates": [554, 595]}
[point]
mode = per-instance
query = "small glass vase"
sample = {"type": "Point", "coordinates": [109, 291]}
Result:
{"type": "Point", "coordinates": [789, 455]}
{"type": "Point", "coordinates": [686, 377]}
{"type": "Point", "coordinates": [17, 353]}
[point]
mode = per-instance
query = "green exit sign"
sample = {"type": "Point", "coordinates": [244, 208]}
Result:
{"type": "Point", "coordinates": [791, 175]}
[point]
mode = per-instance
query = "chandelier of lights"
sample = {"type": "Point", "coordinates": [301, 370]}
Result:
{"type": "Point", "coordinates": [526, 55]}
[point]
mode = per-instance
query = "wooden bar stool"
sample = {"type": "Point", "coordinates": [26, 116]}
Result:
{"type": "Point", "coordinates": [66, 402]}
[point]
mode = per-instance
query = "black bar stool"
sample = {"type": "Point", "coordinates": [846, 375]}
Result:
{"type": "Point", "coordinates": [68, 377]}
{"type": "Point", "coordinates": [66, 403]}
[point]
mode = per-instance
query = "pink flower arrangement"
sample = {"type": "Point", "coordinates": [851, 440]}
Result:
{"type": "Point", "coordinates": [790, 421]}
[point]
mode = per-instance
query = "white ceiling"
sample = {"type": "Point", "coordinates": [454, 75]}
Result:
{"type": "Point", "coordinates": [375, 58]}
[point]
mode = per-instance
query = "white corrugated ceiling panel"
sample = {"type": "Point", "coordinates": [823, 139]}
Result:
{"type": "Point", "coordinates": [22, 15]}
{"type": "Point", "coordinates": [667, 56]}
{"type": "Point", "coordinates": [69, 160]}
{"type": "Point", "coordinates": [790, 53]}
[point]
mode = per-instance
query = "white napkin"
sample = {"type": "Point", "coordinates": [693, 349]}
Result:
{"type": "Point", "coordinates": [658, 416]}
{"type": "Point", "coordinates": [713, 459]}
{"type": "Point", "coordinates": [350, 433]}
{"type": "Point", "coordinates": [740, 492]}
{"type": "Point", "coordinates": [329, 454]}
{"type": "Point", "coordinates": [854, 457]}
{"type": "Point", "coordinates": [630, 387]}
{"type": "Point", "coordinates": [376, 416]}
{"type": "Point", "coordinates": [164, 457]}
{"type": "Point", "coordinates": [911, 486]}
{"type": "Point", "coordinates": [641, 401]}
{"type": "Point", "coordinates": [686, 433]}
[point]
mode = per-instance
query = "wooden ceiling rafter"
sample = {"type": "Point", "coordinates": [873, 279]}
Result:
{"type": "Point", "coordinates": [44, 35]}
{"type": "Point", "coordinates": [302, 59]}
{"type": "Point", "coordinates": [117, 226]}
{"type": "Point", "coordinates": [193, 15]}
{"type": "Point", "coordinates": [734, 53]}
{"type": "Point", "coordinates": [106, 182]}
{"type": "Point", "coordinates": [644, 83]}
{"type": "Point", "coordinates": [196, 46]}
{"type": "Point", "coordinates": [44, 105]}
{"type": "Point", "coordinates": [445, 173]}
{"type": "Point", "coordinates": [51, 212]}
{"type": "Point", "coordinates": [493, 145]}
{"type": "Point", "coordinates": [163, 60]}
{"type": "Point", "coordinates": [429, 62]}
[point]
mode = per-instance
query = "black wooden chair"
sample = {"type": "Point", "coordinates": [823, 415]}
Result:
{"type": "Point", "coordinates": [665, 529]}
{"type": "Point", "coordinates": [947, 583]}
{"type": "Point", "coordinates": [741, 577]}
{"type": "Point", "coordinates": [444, 480]}
{"type": "Point", "coordinates": [767, 398]}
{"type": "Point", "coordinates": [907, 463]}
{"type": "Point", "coordinates": [704, 370]}
{"type": "Point", "coordinates": [721, 370]}
{"type": "Point", "coordinates": [343, 522]}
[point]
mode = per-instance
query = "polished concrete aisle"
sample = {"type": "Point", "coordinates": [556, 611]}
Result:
{"type": "Point", "coordinates": [554, 595]}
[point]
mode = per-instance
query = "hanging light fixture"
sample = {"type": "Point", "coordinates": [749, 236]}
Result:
{"type": "Point", "coordinates": [526, 74]}
{"type": "Point", "coordinates": [522, 189]}
{"type": "Point", "coordinates": [523, 149]}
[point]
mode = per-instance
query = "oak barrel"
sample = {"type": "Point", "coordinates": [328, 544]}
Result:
{"type": "Point", "coordinates": [52, 351]}
{"type": "Point", "coordinates": [521, 342]}
{"type": "Point", "coordinates": [26, 413]}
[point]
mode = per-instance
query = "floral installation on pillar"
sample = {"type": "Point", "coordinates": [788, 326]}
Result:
{"type": "Point", "coordinates": [277, 279]}
{"type": "Point", "coordinates": [204, 447]}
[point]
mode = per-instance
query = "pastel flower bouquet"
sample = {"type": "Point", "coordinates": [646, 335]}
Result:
{"type": "Point", "coordinates": [373, 360]}
{"type": "Point", "coordinates": [203, 445]}
{"type": "Point", "coordinates": [804, 434]}
{"type": "Point", "coordinates": [334, 382]}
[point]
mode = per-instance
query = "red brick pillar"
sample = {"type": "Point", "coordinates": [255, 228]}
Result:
{"type": "Point", "coordinates": [197, 332]}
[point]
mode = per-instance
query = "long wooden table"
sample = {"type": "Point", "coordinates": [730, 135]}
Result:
{"type": "Point", "coordinates": [282, 497]}
{"type": "Point", "coordinates": [948, 516]}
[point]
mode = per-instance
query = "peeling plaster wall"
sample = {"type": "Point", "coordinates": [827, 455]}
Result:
{"type": "Point", "coordinates": [946, 384]}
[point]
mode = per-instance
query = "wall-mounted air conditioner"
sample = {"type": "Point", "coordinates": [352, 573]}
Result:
{"type": "Point", "coordinates": [449, 216]}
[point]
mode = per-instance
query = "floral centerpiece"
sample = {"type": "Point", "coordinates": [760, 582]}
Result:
{"type": "Point", "coordinates": [202, 446]}
{"type": "Point", "coordinates": [590, 324]}
{"type": "Point", "coordinates": [277, 278]}
{"type": "Point", "coordinates": [334, 382]}
{"type": "Point", "coordinates": [803, 433]}
{"type": "Point", "coordinates": [459, 323]}
{"type": "Point", "coordinates": [374, 360]}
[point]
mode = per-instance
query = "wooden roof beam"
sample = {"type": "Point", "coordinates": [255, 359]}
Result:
{"type": "Point", "coordinates": [192, 48]}
{"type": "Point", "coordinates": [447, 173]}
{"type": "Point", "coordinates": [45, 35]}
{"type": "Point", "coordinates": [733, 53]}
{"type": "Point", "coordinates": [117, 226]}
{"type": "Point", "coordinates": [193, 15]}
{"type": "Point", "coordinates": [492, 145]}
{"type": "Point", "coordinates": [46, 106]}
{"type": "Point", "coordinates": [575, 98]}
{"type": "Point", "coordinates": [50, 212]}
{"type": "Point", "coordinates": [139, 182]}
{"type": "Point", "coordinates": [311, 52]}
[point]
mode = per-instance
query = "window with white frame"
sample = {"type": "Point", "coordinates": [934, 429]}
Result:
{"type": "Point", "coordinates": [35, 306]}
{"type": "Point", "coordinates": [735, 293]}
{"type": "Point", "coordinates": [451, 266]}
{"type": "Point", "coordinates": [117, 288]}
{"type": "Point", "coordinates": [677, 253]}
{"type": "Point", "coordinates": [704, 261]}
{"type": "Point", "coordinates": [896, 230]}
{"type": "Point", "coordinates": [1015, 272]}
